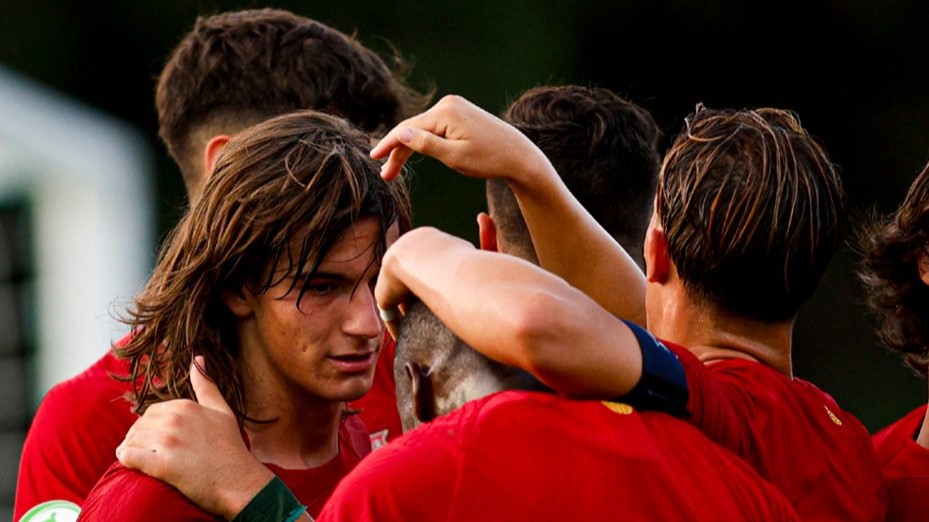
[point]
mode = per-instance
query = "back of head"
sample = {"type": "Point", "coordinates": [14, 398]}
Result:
{"type": "Point", "coordinates": [281, 195]}
{"type": "Point", "coordinates": [602, 146]}
{"type": "Point", "coordinates": [753, 210]}
{"type": "Point", "coordinates": [436, 372]}
{"type": "Point", "coordinates": [893, 248]}
{"type": "Point", "coordinates": [236, 69]}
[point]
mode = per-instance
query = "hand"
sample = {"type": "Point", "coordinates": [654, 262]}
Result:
{"type": "Point", "coordinates": [197, 448]}
{"type": "Point", "coordinates": [404, 273]}
{"type": "Point", "coordinates": [466, 138]}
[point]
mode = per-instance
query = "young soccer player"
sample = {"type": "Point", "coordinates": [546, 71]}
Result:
{"type": "Point", "coordinates": [749, 210]}
{"type": "Point", "coordinates": [895, 271]}
{"type": "Point", "coordinates": [231, 71]}
{"type": "Point", "coordinates": [620, 160]}
{"type": "Point", "coordinates": [495, 446]}
{"type": "Point", "coordinates": [270, 276]}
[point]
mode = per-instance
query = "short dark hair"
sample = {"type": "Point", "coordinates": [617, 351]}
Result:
{"type": "Point", "coordinates": [604, 147]}
{"type": "Point", "coordinates": [236, 69]}
{"type": "Point", "coordinates": [891, 247]}
{"type": "Point", "coordinates": [753, 210]}
{"type": "Point", "coordinates": [281, 195]}
{"type": "Point", "coordinates": [450, 363]}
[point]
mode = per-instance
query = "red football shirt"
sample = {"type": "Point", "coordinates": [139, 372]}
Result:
{"type": "Point", "coordinates": [73, 437]}
{"type": "Point", "coordinates": [905, 467]}
{"type": "Point", "coordinates": [125, 494]}
{"type": "Point", "coordinates": [791, 432]}
{"type": "Point", "coordinates": [64, 454]}
{"type": "Point", "coordinates": [533, 456]}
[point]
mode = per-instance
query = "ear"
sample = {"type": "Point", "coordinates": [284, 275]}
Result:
{"type": "Point", "coordinates": [657, 261]}
{"type": "Point", "coordinates": [238, 302]}
{"type": "Point", "coordinates": [923, 265]}
{"type": "Point", "coordinates": [211, 152]}
{"type": "Point", "coordinates": [487, 232]}
{"type": "Point", "coordinates": [422, 395]}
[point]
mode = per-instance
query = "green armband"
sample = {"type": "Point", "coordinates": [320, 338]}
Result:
{"type": "Point", "coordinates": [274, 503]}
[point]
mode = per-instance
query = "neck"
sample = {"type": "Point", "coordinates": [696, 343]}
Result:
{"type": "Point", "coordinates": [714, 335]}
{"type": "Point", "coordinates": [295, 430]}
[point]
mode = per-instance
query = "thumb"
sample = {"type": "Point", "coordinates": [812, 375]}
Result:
{"type": "Point", "coordinates": [205, 389]}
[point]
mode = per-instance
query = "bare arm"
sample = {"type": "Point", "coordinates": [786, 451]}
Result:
{"type": "Point", "coordinates": [568, 241]}
{"type": "Point", "coordinates": [514, 312]}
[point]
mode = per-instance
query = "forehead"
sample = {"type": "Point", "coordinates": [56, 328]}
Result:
{"type": "Point", "coordinates": [356, 243]}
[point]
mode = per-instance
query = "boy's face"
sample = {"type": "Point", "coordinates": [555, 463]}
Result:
{"type": "Point", "coordinates": [327, 348]}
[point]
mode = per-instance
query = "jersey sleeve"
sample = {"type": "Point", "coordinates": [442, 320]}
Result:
{"type": "Point", "coordinates": [721, 407]}
{"type": "Point", "coordinates": [124, 494]}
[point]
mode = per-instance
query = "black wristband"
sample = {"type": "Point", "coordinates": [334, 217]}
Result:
{"type": "Point", "coordinates": [663, 385]}
{"type": "Point", "coordinates": [274, 503]}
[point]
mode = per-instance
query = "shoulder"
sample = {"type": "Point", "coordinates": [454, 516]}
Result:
{"type": "Point", "coordinates": [62, 416]}
{"type": "Point", "coordinates": [64, 454]}
{"type": "Point", "coordinates": [403, 480]}
{"type": "Point", "coordinates": [125, 494]}
{"type": "Point", "coordinates": [897, 451]}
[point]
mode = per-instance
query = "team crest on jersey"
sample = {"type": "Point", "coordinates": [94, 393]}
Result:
{"type": "Point", "coordinates": [619, 407]}
{"type": "Point", "coordinates": [53, 511]}
{"type": "Point", "coordinates": [378, 439]}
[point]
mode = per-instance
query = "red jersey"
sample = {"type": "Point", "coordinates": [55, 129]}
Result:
{"type": "Point", "coordinates": [905, 467]}
{"type": "Point", "coordinates": [73, 437]}
{"type": "Point", "coordinates": [379, 406]}
{"type": "Point", "coordinates": [520, 455]}
{"type": "Point", "coordinates": [64, 455]}
{"type": "Point", "coordinates": [791, 432]}
{"type": "Point", "coordinates": [126, 494]}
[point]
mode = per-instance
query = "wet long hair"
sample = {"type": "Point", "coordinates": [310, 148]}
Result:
{"type": "Point", "coordinates": [281, 195]}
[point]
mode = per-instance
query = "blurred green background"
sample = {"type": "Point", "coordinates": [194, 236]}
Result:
{"type": "Point", "coordinates": [854, 71]}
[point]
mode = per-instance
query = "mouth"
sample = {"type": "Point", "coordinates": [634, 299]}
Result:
{"type": "Point", "coordinates": [354, 362]}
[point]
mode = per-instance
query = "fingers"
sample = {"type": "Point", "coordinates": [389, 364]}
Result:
{"type": "Point", "coordinates": [395, 161]}
{"type": "Point", "coordinates": [144, 460]}
{"type": "Point", "coordinates": [208, 395]}
{"type": "Point", "coordinates": [391, 318]}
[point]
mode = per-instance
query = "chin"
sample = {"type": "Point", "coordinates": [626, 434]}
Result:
{"type": "Point", "coordinates": [352, 391]}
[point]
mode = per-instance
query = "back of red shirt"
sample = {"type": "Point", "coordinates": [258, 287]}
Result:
{"type": "Point", "coordinates": [791, 432]}
{"type": "Point", "coordinates": [905, 468]}
{"type": "Point", "coordinates": [534, 456]}
{"type": "Point", "coordinates": [73, 437]}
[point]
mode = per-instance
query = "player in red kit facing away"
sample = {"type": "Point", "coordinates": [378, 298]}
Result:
{"type": "Point", "coordinates": [749, 211]}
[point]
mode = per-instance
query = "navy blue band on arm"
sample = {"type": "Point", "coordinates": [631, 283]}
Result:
{"type": "Point", "coordinates": [274, 503]}
{"type": "Point", "coordinates": [663, 385]}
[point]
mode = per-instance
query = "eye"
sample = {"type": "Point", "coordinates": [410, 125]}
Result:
{"type": "Point", "coordinates": [319, 287]}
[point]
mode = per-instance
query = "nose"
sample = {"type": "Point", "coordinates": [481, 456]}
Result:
{"type": "Point", "coordinates": [363, 319]}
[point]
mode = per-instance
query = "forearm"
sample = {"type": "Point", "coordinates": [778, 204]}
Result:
{"type": "Point", "coordinates": [570, 243]}
{"type": "Point", "coordinates": [516, 313]}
